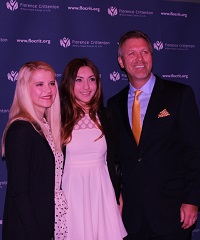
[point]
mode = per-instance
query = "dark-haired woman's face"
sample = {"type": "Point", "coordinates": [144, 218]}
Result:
{"type": "Point", "coordinates": [85, 85]}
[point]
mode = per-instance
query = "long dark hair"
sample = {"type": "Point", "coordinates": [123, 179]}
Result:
{"type": "Point", "coordinates": [71, 111]}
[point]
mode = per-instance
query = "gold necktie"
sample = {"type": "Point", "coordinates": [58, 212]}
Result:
{"type": "Point", "coordinates": [136, 125]}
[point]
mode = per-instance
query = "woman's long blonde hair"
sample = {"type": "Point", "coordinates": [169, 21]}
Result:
{"type": "Point", "coordinates": [23, 108]}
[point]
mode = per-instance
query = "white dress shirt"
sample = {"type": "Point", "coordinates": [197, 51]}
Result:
{"type": "Point", "coordinates": [144, 98]}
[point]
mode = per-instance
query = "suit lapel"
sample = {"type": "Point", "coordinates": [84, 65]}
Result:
{"type": "Point", "coordinates": [124, 113]}
{"type": "Point", "coordinates": [151, 115]}
{"type": "Point", "coordinates": [154, 106]}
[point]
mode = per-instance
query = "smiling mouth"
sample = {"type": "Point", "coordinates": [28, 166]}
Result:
{"type": "Point", "coordinates": [140, 66]}
{"type": "Point", "coordinates": [47, 97]}
{"type": "Point", "coordinates": [85, 93]}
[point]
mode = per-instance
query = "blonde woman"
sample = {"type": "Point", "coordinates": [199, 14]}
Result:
{"type": "Point", "coordinates": [32, 150]}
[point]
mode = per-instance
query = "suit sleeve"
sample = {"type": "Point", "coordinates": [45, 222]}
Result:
{"type": "Point", "coordinates": [116, 160]}
{"type": "Point", "coordinates": [190, 129]}
{"type": "Point", "coordinates": [18, 148]}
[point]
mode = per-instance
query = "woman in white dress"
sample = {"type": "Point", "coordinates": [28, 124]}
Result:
{"type": "Point", "coordinates": [89, 180]}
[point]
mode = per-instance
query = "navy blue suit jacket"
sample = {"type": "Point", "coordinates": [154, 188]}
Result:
{"type": "Point", "coordinates": [163, 171]}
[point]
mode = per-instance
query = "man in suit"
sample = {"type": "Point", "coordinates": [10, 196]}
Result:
{"type": "Point", "coordinates": [160, 167]}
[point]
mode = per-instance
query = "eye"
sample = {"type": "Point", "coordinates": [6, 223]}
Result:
{"type": "Point", "coordinates": [145, 52]}
{"type": "Point", "coordinates": [52, 83]}
{"type": "Point", "coordinates": [92, 79]}
{"type": "Point", "coordinates": [78, 80]}
{"type": "Point", "coordinates": [132, 54]}
{"type": "Point", "coordinates": [39, 84]}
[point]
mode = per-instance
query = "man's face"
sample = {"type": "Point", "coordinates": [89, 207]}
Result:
{"type": "Point", "coordinates": [136, 59]}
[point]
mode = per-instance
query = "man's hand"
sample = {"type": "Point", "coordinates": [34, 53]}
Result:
{"type": "Point", "coordinates": [188, 215]}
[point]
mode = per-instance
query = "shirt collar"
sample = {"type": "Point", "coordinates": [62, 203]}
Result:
{"type": "Point", "coordinates": [147, 88]}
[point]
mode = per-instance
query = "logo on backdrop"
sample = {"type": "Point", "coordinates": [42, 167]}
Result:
{"type": "Point", "coordinates": [58, 75]}
{"type": "Point", "coordinates": [67, 42]}
{"type": "Point", "coordinates": [12, 5]}
{"type": "Point", "coordinates": [159, 45]}
{"type": "Point", "coordinates": [116, 76]}
{"type": "Point", "coordinates": [113, 11]}
{"type": "Point", "coordinates": [3, 184]}
{"type": "Point", "coordinates": [12, 76]}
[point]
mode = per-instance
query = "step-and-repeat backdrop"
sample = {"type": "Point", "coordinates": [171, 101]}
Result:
{"type": "Point", "coordinates": [57, 31]}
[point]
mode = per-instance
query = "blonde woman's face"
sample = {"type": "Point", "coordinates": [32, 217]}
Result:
{"type": "Point", "coordinates": [42, 90]}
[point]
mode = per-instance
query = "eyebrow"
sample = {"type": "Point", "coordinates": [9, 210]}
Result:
{"type": "Point", "coordinates": [39, 82]}
{"type": "Point", "coordinates": [133, 49]}
{"type": "Point", "coordinates": [44, 81]}
{"type": "Point", "coordinates": [83, 77]}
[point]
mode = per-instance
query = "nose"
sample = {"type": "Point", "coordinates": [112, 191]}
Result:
{"type": "Point", "coordinates": [139, 56]}
{"type": "Point", "coordinates": [85, 85]}
{"type": "Point", "coordinates": [48, 89]}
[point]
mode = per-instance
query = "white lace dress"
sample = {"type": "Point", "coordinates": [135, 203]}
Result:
{"type": "Point", "coordinates": [93, 213]}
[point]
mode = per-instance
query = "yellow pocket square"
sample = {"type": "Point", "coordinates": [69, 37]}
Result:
{"type": "Point", "coordinates": [163, 113]}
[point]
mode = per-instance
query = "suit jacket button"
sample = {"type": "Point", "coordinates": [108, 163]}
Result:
{"type": "Point", "coordinates": [139, 159]}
